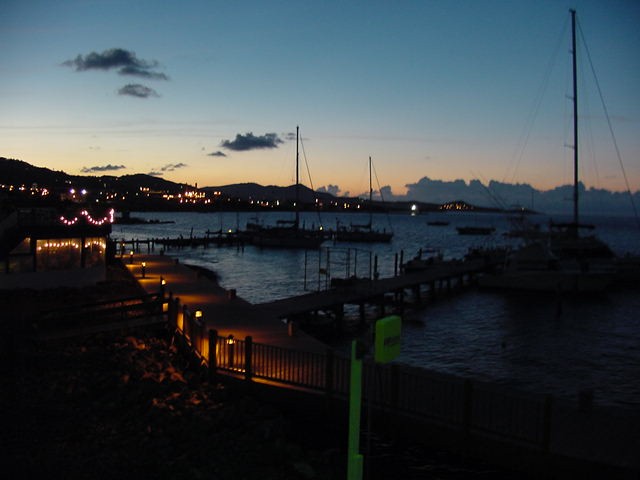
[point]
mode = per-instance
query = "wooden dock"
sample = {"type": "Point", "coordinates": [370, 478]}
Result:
{"type": "Point", "coordinates": [253, 344]}
{"type": "Point", "coordinates": [441, 279]}
{"type": "Point", "coordinates": [269, 322]}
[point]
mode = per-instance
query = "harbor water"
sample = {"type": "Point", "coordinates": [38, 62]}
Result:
{"type": "Point", "coordinates": [532, 342]}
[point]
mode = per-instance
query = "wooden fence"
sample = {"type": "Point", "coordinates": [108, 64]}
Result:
{"type": "Point", "coordinates": [101, 316]}
{"type": "Point", "coordinates": [462, 404]}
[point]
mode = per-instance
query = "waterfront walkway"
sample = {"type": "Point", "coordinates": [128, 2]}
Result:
{"type": "Point", "coordinates": [267, 322]}
{"type": "Point", "coordinates": [586, 438]}
{"type": "Point", "coordinates": [221, 309]}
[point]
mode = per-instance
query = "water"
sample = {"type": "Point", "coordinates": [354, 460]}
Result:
{"type": "Point", "coordinates": [514, 339]}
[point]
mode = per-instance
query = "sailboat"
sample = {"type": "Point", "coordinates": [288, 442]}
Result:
{"type": "Point", "coordinates": [363, 233]}
{"type": "Point", "coordinates": [562, 259]}
{"type": "Point", "coordinates": [287, 233]}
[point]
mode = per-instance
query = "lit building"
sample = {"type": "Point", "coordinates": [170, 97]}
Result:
{"type": "Point", "coordinates": [39, 248]}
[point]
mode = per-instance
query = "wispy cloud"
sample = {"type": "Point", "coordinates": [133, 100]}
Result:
{"type": "Point", "coordinates": [249, 141]}
{"type": "Point", "coordinates": [138, 91]}
{"type": "Point", "coordinates": [102, 168]}
{"type": "Point", "coordinates": [124, 61]}
{"type": "Point", "coordinates": [217, 154]}
{"type": "Point", "coordinates": [154, 174]}
{"type": "Point", "coordinates": [170, 167]}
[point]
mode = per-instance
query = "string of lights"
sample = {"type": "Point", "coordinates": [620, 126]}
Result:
{"type": "Point", "coordinates": [109, 218]}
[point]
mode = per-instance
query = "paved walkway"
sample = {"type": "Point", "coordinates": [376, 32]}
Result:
{"type": "Point", "coordinates": [227, 315]}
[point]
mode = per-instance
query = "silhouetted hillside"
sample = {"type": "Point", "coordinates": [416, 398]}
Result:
{"type": "Point", "coordinates": [254, 191]}
{"type": "Point", "coordinates": [17, 172]}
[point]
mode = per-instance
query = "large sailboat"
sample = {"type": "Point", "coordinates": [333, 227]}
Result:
{"type": "Point", "coordinates": [562, 259]}
{"type": "Point", "coordinates": [363, 233]}
{"type": "Point", "coordinates": [287, 233]}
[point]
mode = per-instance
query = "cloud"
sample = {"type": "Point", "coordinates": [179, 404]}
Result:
{"type": "Point", "coordinates": [104, 168]}
{"type": "Point", "coordinates": [124, 61]}
{"type": "Point", "coordinates": [332, 189]}
{"type": "Point", "coordinates": [170, 167]}
{"type": "Point", "coordinates": [251, 142]}
{"type": "Point", "coordinates": [217, 154]}
{"type": "Point", "coordinates": [137, 90]}
{"type": "Point", "coordinates": [154, 174]}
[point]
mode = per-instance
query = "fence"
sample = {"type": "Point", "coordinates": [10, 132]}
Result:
{"type": "Point", "coordinates": [462, 404]}
{"type": "Point", "coordinates": [101, 316]}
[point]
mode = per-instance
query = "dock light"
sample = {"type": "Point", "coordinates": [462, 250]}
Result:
{"type": "Point", "coordinates": [144, 269]}
{"type": "Point", "coordinates": [198, 315]}
{"type": "Point", "coordinates": [230, 343]}
{"type": "Point", "coordinates": [163, 282]}
{"type": "Point", "coordinates": [131, 257]}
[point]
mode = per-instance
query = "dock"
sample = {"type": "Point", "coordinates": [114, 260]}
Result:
{"type": "Point", "coordinates": [256, 345]}
{"type": "Point", "coordinates": [269, 322]}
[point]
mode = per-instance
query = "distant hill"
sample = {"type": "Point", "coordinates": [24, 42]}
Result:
{"type": "Point", "coordinates": [17, 172]}
{"type": "Point", "coordinates": [254, 191]}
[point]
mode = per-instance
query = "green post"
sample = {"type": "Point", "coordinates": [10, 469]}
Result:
{"type": "Point", "coordinates": [387, 348]}
{"type": "Point", "coordinates": [355, 460]}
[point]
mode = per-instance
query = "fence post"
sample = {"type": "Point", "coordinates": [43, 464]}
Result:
{"type": "Point", "coordinates": [546, 428]}
{"type": "Point", "coordinates": [395, 384]}
{"type": "Point", "coordinates": [328, 372]}
{"type": "Point", "coordinates": [248, 352]}
{"type": "Point", "coordinates": [213, 359]}
{"type": "Point", "coordinates": [186, 322]}
{"type": "Point", "coordinates": [170, 322]}
{"type": "Point", "coordinates": [467, 406]}
{"type": "Point", "coordinates": [176, 310]}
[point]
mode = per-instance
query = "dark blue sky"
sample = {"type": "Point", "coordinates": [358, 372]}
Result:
{"type": "Point", "coordinates": [443, 89]}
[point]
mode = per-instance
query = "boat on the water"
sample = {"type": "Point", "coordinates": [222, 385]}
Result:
{"type": "Point", "coordinates": [425, 259]}
{"type": "Point", "coordinates": [562, 258]}
{"type": "Point", "coordinates": [534, 267]}
{"type": "Point", "coordinates": [286, 233]}
{"type": "Point", "coordinates": [363, 233]}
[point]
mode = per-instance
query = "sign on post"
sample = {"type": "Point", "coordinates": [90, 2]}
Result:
{"type": "Point", "coordinates": [387, 346]}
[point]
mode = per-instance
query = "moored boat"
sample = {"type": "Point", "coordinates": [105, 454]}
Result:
{"type": "Point", "coordinates": [363, 233]}
{"type": "Point", "coordinates": [287, 233]}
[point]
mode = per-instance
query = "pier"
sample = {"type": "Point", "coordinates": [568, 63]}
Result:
{"type": "Point", "coordinates": [259, 346]}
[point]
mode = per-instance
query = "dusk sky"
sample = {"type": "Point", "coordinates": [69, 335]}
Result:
{"type": "Point", "coordinates": [211, 91]}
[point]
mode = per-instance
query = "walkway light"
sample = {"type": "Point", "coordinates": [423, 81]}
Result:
{"type": "Point", "coordinates": [230, 343]}
{"type": "Point", "coordinates": [144, 269]}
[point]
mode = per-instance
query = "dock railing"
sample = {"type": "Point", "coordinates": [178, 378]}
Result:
{"type": "Point", "coordinates": [464, 405]}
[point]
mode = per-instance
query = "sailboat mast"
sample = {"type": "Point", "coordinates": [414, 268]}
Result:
{"type": "Point", "coordinates": [297, 182]}
{"type": "Point", "coordinates": [575, 120]}
{"type": "Point", "coordinates": [370, 197]}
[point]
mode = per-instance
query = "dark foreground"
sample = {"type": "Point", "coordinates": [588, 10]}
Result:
{"type": "Point", "coordinates": [129, 405]}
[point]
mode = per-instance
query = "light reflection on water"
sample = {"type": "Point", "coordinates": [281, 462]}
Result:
{"type": "Point", "coordinates": [524, 341]}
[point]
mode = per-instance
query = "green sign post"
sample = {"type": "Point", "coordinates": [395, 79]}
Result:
{"type": "Point", "coordinates": [387, 347]}
{"type": "Point", "coordinates": [354, 460]}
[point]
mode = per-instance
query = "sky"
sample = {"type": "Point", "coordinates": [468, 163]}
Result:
{"type": "Point", "coordinates": [210, 92]}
